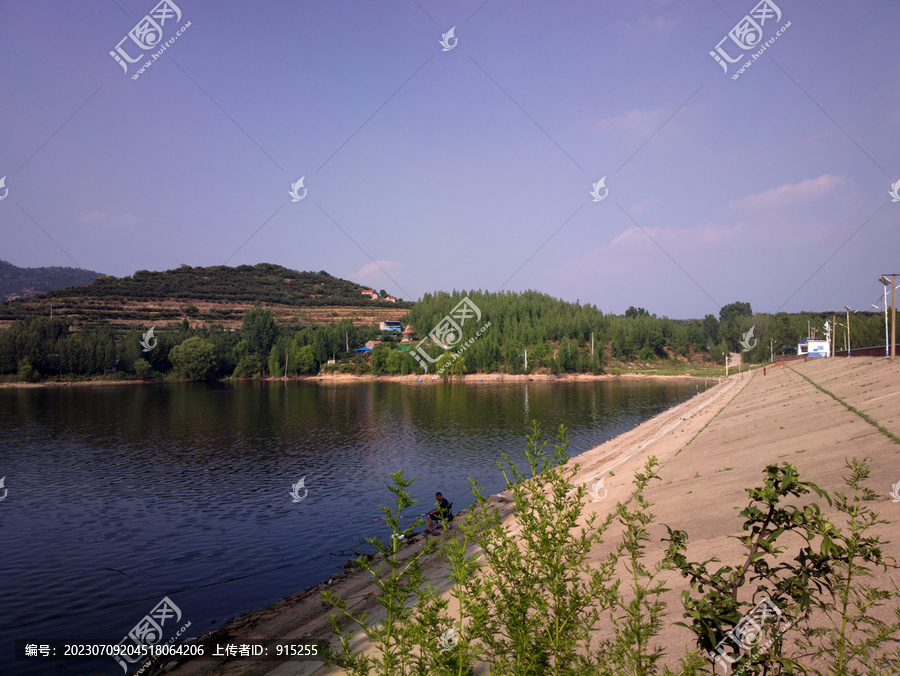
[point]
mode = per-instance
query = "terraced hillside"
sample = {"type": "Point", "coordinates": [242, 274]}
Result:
{"type": "Point", "coordinates": [204, 296]}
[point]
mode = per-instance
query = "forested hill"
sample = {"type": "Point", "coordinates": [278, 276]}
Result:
{"type": "Point", "coordinates": [206, 296]}
{"type": "Point", "coordinates": [16, 282]}
{"type": "Point", "coordinates": [265, 283]}
{"type": "Point", "coordinates": [559, 334]}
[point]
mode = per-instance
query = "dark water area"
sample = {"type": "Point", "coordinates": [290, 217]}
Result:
{"type": "Point", "coordinates": [120, 496]}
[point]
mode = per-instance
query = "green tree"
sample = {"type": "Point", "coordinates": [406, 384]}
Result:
{"type": "Point", "coordinates": [26, 371]}
{"type": "Point", "coordinates": [194, 359]}
{"type": "Point", "coordinates": [142, 368]}
{"type": "Point", "coordinates": [379, 359]}
{"type": "Point", "coordinates": [258, 328]}
{"type": "Point", "coordinates": [734, 321]}
{"type": "Point", "coordinates": [632, 312]}
{"type": "Point", "coordinates": [732, 310]}
{"type": "Point", "coordinates": [304, 359]}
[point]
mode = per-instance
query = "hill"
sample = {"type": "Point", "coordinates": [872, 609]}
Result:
{"type": "Point", "coordinates": [217, 294]}
{"type": "Point", "coordinates": [16, 282]}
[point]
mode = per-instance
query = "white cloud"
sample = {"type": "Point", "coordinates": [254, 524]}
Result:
{"type": "Point", "coordinates": [791, 194]}
{"type": "Point", "coordinates": [644, 206]}
{"type": "Point", "coordinates": [374, 272]}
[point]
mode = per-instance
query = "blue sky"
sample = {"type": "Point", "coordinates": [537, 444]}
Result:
{"type": "Point", "coordinates": [467, 168]}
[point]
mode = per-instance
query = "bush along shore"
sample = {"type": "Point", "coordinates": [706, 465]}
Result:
{"type": "Point", "coordinates": [796, 600]}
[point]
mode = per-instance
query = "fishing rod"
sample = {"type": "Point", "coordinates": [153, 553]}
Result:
{"type": "Point", "coordinates": [421, 516]}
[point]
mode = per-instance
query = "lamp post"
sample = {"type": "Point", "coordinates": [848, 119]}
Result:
{"type": "Point", "coordinates": [886, 353]}
{"type": "Point", "coordinates": [835, 335]}
{"type": "Point", "coordinates": [848, 329]}
{"type": "Point", "coordinates": [892, 281]}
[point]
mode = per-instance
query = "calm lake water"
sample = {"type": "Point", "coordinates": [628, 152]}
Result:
{"type": "Point", "coordinates": [120, 496]}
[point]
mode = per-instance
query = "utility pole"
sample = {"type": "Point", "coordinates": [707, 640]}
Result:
{"type": "Point", "coordinates": [893, 282]}
{"type": "Point", "coordinates": [833, 333]}
{"type": "Point", "coordinates": [771, 350]}
{"type": "Point", "coordinates": [848, 330]}
{"type": "Point", "coordinates": [894, 315]}
{"type": "Point", "coordinates": [886, 349]}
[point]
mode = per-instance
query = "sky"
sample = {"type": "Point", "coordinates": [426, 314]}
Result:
{"type": "Point", "coordinates": [433, 160]}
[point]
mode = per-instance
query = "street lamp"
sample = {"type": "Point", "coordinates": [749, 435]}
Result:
{"type": "Point", "coordinates": [848, 329]}
{"type": "Point", "coordinates": [886, 353]}
{"type": "Point", "coordinates": [892, 282]}
{"type": "Point", "coordinates": [845, 332]}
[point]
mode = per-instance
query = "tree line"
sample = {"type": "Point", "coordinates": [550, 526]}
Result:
{"type": "Point", "coordinates": [556, 336]}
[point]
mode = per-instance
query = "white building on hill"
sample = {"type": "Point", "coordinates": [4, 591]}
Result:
{"type": "Point", "coordinates": [814, 347]}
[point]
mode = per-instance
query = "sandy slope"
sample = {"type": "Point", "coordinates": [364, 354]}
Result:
{"type": "Point", "coordinates": [710, 449]}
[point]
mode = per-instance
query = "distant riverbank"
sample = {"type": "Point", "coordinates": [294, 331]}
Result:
{"type": "Point", "coordinates": [411, 379]}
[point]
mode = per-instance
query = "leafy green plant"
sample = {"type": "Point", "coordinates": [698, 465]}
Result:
{"type": "Point", "coordinates": [536, 600]}
{"type": "Point", "coordinates": [636, 616]}
{"type": "Point", "coordinates": [820, 594]}
{"type": "Point", "coordinates": [790, 584]}
{"type": "Point", "coordinates": [853, 638]}
{"type": "Point", "coordinates": [399, 581]}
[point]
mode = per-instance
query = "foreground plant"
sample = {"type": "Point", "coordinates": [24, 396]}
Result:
{"type": "Point", "coordinates": [536, 600]}
{"type": "Point", "coordinates": [818, 594]}
{"type": "Point", "coordinates": [637, 614]}
{"type": "Point", "coordinates": [395, 639]}
{"type": "Point", "coordinates": [853, 638]}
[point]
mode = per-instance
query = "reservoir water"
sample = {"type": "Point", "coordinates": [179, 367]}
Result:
{"type": "Point", "coordinates": [118, 496]}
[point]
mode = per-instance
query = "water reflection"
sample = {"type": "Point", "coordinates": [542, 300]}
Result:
{"type": "Point", "coordinates": [119, 496]}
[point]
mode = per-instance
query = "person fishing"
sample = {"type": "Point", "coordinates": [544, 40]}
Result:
{"type": "Point", "coordinates": [441, 514]}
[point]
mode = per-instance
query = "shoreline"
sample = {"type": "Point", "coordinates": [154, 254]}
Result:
{"type": "Point", "coordinates": [333, 378]}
